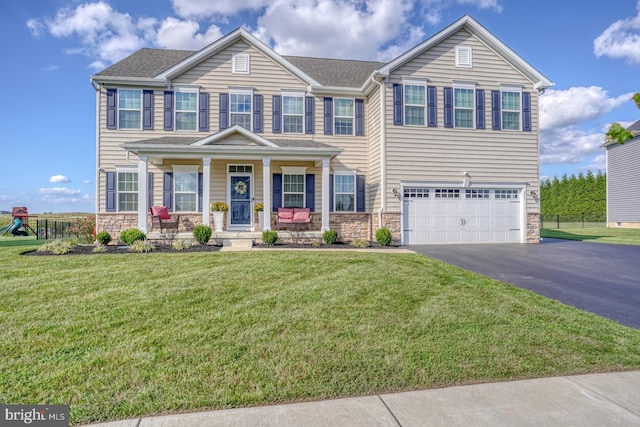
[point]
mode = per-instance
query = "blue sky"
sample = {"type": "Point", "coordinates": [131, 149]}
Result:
{"type": "Point", "coordinates": [50, 48]}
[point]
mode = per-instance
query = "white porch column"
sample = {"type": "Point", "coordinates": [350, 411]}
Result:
{"type": "Point", "coordinates": [143, 185]}
{"type": "Point", "coordinates": [206, 189]}
{"type": "Point", "coordinates": [325, 194]}
{"type": "Point", "coordinates": [266, 192]}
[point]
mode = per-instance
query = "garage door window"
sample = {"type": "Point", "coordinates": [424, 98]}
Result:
{"type": "Point", "coordinates": [447, 193]}
{"type": "Point", "coordinates": [477, 194]}
{"type": "Point", "coordinates": [413, 193]}
{"type": "Point", "coordinates": [506, 194]}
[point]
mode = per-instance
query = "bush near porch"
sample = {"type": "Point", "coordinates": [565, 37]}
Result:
{"type": "Point", "coordinates": [166, 332]}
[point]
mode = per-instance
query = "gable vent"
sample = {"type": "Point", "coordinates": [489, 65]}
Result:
{"type": "Point", "coordinates": [241, 63]}
{"type": "Point", "coordinates": [463, 56]}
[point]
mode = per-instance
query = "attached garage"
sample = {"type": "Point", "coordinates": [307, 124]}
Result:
{"type": "Point", "coordinates": [440, 215]}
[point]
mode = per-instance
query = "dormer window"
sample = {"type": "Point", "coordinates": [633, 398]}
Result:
{"type": "Point", "coordinates": [464, 56]}
{"type": "Point", "coordinates": [240, 63]}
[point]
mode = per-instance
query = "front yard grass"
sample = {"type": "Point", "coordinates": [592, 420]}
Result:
{"type": "Point", "coordinates": [119, 336]}
{"type": "Point", "coordinates": [623, 236]}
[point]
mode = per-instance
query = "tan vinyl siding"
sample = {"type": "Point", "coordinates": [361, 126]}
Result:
{"type": "Point", "coordinates": [373, 133]}
{"type": "Point", "coordinates": [441, 154]}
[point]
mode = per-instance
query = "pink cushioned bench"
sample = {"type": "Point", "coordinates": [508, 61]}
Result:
{"type": "Point", "coordinates": [293, 216]}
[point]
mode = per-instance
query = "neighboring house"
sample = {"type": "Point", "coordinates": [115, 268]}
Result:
{"type": "Point", "coordinates": [440, 145]}
{"type": "Point", "coordinates": [623, 181]}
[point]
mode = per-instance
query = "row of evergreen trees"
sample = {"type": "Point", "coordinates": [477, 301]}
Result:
{"type": "Point", "coordinates": [584, 194]}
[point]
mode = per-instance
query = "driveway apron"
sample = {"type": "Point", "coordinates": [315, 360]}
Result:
{"type": "Point", "coordinates": [601, 278]}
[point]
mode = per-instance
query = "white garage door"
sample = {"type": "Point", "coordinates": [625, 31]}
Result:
{"type": "Point", "coordinates": [460, 215]}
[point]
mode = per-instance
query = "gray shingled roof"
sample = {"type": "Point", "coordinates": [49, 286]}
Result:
{"type": "Point", "coordinates": [335, 72]}
{"type": "Point", "coordinates": [634, 128]}
{"type": "Point", "coordinates": [146, 63]}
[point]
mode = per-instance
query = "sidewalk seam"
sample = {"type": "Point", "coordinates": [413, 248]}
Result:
{"type": "Point", "coordinates": [139, 421]}
{"type": "Point", "coordinates": [602, 396]}
{"type": "Point", "coordinates": [389, 409]}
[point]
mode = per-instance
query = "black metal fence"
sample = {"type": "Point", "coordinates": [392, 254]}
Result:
{"type": "Point", "coordinates": [572, 221]}
{"type": "Point", "coordinates": [55, 229]}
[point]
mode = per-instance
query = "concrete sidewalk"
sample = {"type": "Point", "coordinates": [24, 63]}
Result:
{"type": "Point", "coordinates": [611, 399]}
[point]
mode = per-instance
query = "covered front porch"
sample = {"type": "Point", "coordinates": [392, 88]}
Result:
{"type": "Point", "coordinates": [237, 167]}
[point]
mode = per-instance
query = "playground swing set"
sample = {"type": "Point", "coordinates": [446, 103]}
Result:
{"type": "Point", "coordinates": [19, 225]}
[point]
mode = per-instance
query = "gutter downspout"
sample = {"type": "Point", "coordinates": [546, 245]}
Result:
{"type": "Point", "coordinates": [383, 148]}
{"type": "Point", "coordinates": [96, 87]}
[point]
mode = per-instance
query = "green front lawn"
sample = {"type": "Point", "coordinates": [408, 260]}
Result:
{"type": "Point", "coordinates": [623, 236]}
{"type": "Point", "coordinates": [119, 336]}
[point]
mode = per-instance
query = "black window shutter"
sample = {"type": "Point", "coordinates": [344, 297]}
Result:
{"type": "Point", "coordinates": [167, 190]}
{"type": "Point", "coordinates": [147, 110]}
{"type": "Point", "coordinates": [310, 191]}
{"type": "Point", "coordinates": [276, 114]}
{"type": "Point", "coordinates": [480, 109]}
{"type": "Point", "coordinates": [397, 104]}
{"type": "Point", "coordinates": [203, 112]}
{"type": "Point", "coordinates": [360, 193]}
{"type": "Point", "coordinates": [526, 111]}
{"type": "Point", "coordinates": [496, 112]}
{"type": "Point", "coordinates": [223, 114]}
{"type": "Point", "coordinates": [328, 116]}
{"type": "Point", "coordinates": [257, 114]}
{"type": "Point", "coordinates": [359, 117]}
{"type": "Point", "coordinates": [330, 192]}
{"type": "Point", "coordinates": [168, 110]}
{"type": "Point", "coordinates": [309, 114]}
{"type": "Point", "coordinates": [432, 113]}
{"type": "Point", "coordinates": [111, 194]}
{"type": "Point", "coordinates": [448, 107]}
{"type": "Point", "coordinates": [277, 191]}
{"type": "Point", "coordinates": [149, 189]}
{"type": "Point", "coordinates": [200, 191]}
{"type": "Point", "coordinates": [111, 108]}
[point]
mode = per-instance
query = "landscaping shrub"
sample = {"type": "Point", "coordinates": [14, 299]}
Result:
{"type": "Point", "coordinates": [383, 236]}
{"type": "Point", "coordinates": [202, 234]}
{"type": "Point", "coordinates": [131, 235]}
{"type": "Point", "coordinates": [179, 245]}
{"type": "Point", "coordinates": [141, 246]}
{"type": "Point", "coordinates": [58, 247]}
{"type": "Point", "coordinates": [269, 238]}
{"type": "Point", "coordinates": [360, 243]}
{"type": "Point", "coordinates": [99, 248]}
{"type": "Point", "coordinates": [103, 237]}
{"type": "Point", "coordinates": [330, 237]}
{"type": "Point", "coordinates": [85, 228]}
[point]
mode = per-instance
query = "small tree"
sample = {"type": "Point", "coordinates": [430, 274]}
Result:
{"type": "Point", "coordinates": [617, 132]}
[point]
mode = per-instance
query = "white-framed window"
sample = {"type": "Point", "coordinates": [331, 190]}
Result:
{"type": "Point", "coordinates": [343, 116]}
{"type": "Point", "coordinates": [241, 63]}
{"type": "Point", "coordinates": [511, 108]}
{"type": "Point", "coordinates": [127, 189]}
{"type": "Point", "coordinates": [414, 103]}
{"type": "Point", "coordinates": [240, 108]}
{"type": "Point", "coordinates": [292, 113]}
{"type": "Point", "coordinates": [416, 193]}
{"type": "Point", "coordinates": [463, 105]}
{"type": "Point", "coordinates": [447, 193]}
{"type": "Point", "coordinates": [186, 109]}
{"type": "Point", "coordinates": [293, 187]}
{"type": "Point", "coordinates": [185, 188]}
{"type": "Point", "coordinates": [476, 194]}
{"type": "Point", "coordinates": [464, 56]}
{"type": "Point", "coordinates": [129, 109]}
{"type": "Point", "coordinates": [344, 191]}
{"type": "Point", "coordinates": [506, 194]}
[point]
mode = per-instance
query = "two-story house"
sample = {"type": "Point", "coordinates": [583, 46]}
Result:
{"type": "Point", "coordinates": [440, 144]}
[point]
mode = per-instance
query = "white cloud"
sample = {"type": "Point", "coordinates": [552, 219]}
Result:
{"type": "Point", "coordinates": [60, 195]}
{"type": "Point", "coordinates": [561, 108]}
{"type": "Point", "coordinates": [483, 4]}
{"type": "Point", "coordinates": [57, 179]}
{"type": "Point", "coordinates": [598, 163]}
{"type": "Point", "coordinates": [569, 145]}
{"type": "Point", "coordinates": [87, 182]}
{"type": "Point", "coordinates": [621, 40]}
{"type": "Point", "coordinates": [176, 34]}
{"type": "Point", "coordinates": [208, 8]}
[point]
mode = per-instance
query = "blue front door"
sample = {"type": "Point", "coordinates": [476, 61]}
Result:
{"type": "Point", "coordinates": [240, 206]}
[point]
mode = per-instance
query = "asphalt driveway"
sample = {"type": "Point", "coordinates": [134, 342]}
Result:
{"type": "Point", "coordinates": [600, 278]}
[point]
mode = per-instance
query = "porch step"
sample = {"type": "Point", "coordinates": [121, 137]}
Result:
{"type": "Point", "coordinates": [237, 244]}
